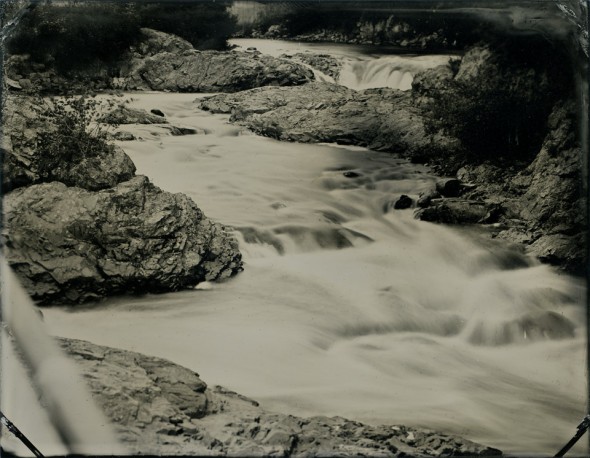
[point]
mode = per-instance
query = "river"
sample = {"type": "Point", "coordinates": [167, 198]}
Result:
{"type": "Point", "coordinates": [346, 306]}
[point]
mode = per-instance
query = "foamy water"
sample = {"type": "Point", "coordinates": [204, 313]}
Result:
{"type": "Point", "coordinates": [362, 67]}
{"type": "Point", "coordinates": [346, 306]}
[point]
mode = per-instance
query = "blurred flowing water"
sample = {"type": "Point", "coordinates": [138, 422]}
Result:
{"type": "Point", "coordinates": [346, 306]}
{"type": "Point", "coordinates": [362, 66]}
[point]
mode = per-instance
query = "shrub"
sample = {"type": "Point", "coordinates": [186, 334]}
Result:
{"type": "Point", "coordinates": [75, 36]}
{"type": "Point", "coordinates": [73, 134]}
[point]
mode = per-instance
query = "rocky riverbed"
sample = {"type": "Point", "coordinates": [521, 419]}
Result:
{"type": "Point", "coordinates": [162, 408]}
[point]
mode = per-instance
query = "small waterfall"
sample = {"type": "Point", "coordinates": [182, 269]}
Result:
{"type": "Point", "coordinates": [396, 72]}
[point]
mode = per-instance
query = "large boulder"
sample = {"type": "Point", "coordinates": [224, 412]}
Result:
{"type": "Point", "coordinates": [433, 79]}
{"type": "Point", "coordinates": [167, 63]}
{"type": "Point", "coordinates": [381, 119]}
{"type": "Point", "coordinates": [325, 63]}
{"type": "Point", "coordinates": [26, 163]}
{"type": "Point", "coordinates": [69, 245]}
{"type": "Point", "coordinates": [161, 408]}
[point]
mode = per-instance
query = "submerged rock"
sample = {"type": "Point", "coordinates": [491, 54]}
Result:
{"type": "Point", "coordinates": [161, 408]}
{"type": "Point", "coordinates": [164, 62]}
{"type": "Point", "coordinates": [69, 245]}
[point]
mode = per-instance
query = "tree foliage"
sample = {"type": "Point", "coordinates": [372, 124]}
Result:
{"type": "Point", "coordinates": [72, 134]}
{"type": "Point", "coordinates": [77, 35]}
{"type": "Point", "coordinates": [501, 112]}
{"type": "Point", "coordinates": [206, 25]}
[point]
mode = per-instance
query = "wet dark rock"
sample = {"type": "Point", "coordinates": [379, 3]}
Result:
{"type": "Point", "coordinates": [154, 67]}
{"type": "Point", "coordinates": [562, 250]}
{"type": "Point", "coordinates": [449, 187]}
{"type": "Point", "coordinates": [157, 112]}
{"type": "Point", "coordinates": [69, 245]}
{"type": "Point", "coordinates": [177, 131]}
{"type": "Point", "coordinates": [161, 408]}
{"type": "Point", "coordinates": [25, 164]}
{"type": "Point", "coordinates": [403, 202]}
{"type": "Point", "coordinates": [459, 211]}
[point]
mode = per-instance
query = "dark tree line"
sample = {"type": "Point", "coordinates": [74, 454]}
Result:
{"type": "Point", "coordinates": [76, 35]}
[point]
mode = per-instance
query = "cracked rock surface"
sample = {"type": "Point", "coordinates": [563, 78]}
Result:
{"type": "Point", "coordinates": [160, 408]}
{"type": "Point", "coordinates": [69, 245]}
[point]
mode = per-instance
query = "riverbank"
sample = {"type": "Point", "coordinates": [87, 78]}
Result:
{"type": "Point", "coordinates": [161, 408]}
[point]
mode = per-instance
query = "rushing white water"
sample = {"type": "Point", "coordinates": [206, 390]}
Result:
{"type": "Point", "coordinates": [347, 307]}
{"type": "Point", "coordinates": [362, 67]}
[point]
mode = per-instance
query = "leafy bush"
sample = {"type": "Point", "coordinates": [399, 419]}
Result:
{"type": "Point", "coordinates": [73, 134]}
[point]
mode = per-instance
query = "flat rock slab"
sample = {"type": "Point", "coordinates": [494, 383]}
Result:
{"type": "Point", "coordinates": [161, 408]}
{"type": "Point", "coordinates": [381, 119]}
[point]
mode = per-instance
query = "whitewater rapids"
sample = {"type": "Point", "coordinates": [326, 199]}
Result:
{"type": "Point", "coordinates": [346, 306]}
